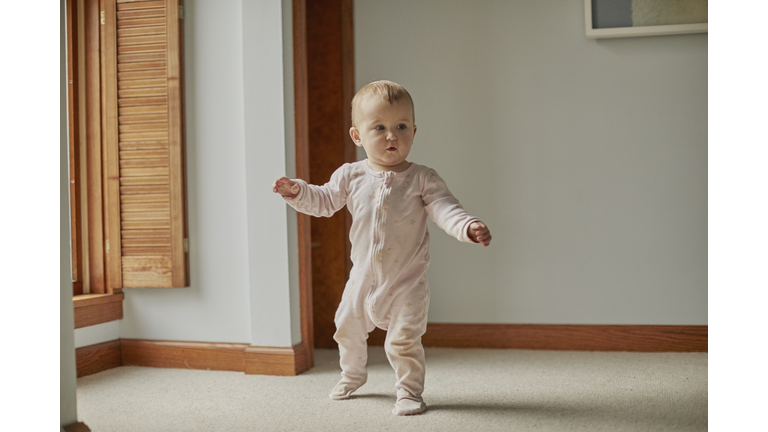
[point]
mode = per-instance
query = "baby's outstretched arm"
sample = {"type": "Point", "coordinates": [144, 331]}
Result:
{"type": "Point", "coordinates": [286, 187]}
{"type": "Point", "coordinates": [479, 233]}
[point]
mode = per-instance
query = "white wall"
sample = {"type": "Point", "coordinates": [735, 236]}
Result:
{"type": "Point", "coordinates": [587, 159]}
{"type": "Point", "coordinates": [243, 274]}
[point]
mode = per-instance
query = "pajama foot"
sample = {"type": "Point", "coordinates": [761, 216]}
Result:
{"type": "Point", "coordinates": [407, 406]}
{"type": "Point", "coordinates": [344, 389]}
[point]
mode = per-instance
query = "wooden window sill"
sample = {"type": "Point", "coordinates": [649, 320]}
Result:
{"type": "Point", "coordinates": [92, 309]}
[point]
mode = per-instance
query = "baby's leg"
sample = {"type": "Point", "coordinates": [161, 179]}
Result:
{"type": "Point", "coordinates": [351, 335]}
{"type": "Point", "coordinates": [406, 354]}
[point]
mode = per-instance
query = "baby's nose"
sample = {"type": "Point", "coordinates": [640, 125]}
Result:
{"type": "Point", "coordinates": [391, 136]}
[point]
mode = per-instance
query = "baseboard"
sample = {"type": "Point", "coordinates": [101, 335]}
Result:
{"type": "Point", "coordinates": [235, 357]}
{"type": "Point", "coordinates": [183, 355]}
{"type": "Point", "coordinates": [637, 338]}
{"type": "Point", "coordinates": [277, 361]}
{"type": "Point", "coordinates": [97, 358]}
{"type": "Point", "coordinates": [289, 361]}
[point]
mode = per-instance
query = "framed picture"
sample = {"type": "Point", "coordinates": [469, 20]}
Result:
{"type": "Point", "coordinates": [628, 18]}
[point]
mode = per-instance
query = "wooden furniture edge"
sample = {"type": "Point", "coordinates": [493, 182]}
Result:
{"type": "Point", "coordinates": [99, 357]}
{"type": "Point", "coordinates": [77, 427]}
{"type": "Point", "coordinates": [92, 309]}
{"type": "Point", "coordinates": [634, 338]}
{"type": "Point", "coordinates": [281, 361]}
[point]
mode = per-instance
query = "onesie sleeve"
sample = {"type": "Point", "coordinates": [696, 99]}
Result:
{"type": "Point", "coordinates": [321, 201]}
{"type": "Point", "coordinates": [444, 209]}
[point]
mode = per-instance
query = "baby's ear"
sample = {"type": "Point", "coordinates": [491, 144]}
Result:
{"type": "Point", "coordinates": [355, 134]}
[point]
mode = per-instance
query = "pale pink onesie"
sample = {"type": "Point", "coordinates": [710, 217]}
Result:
{"type": "Point", "coordinates": [387, 286]}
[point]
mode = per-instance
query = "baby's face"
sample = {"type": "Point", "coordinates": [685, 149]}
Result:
{"type": "Point", "coordinates": [386, 133]}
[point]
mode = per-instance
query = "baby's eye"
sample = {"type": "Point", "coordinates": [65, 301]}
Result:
{"type": "Point", "coordinates": [401, 126]}
{"type": "Point", "coordinates": [380, 127]}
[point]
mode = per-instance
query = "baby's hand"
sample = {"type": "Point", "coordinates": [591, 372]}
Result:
{"type": "Point", "coordinates": [286, 187]}
{"type": "Point", "coordinates": [479, 233]}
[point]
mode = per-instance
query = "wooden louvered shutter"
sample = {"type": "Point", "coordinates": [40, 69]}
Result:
{"type": "Point", "coordinates": [144, 139]}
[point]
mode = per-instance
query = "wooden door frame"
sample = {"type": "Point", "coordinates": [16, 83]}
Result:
{"type": "Point", "coordinates": [303, 118]}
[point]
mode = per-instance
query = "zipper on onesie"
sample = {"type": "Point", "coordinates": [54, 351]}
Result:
{"type": "Point", "coordinates": [378, 240]}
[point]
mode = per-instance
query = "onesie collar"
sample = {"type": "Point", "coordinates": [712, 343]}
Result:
{"type": "Point", "coordinates": [370, 170]}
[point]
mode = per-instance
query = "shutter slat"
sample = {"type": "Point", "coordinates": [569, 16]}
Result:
{"type": "Point", "coordinates": [126, 15]}
{"type": "Point", "coordinates": [143, 136]}
{"type": "Point", "coordinates": [141, 31]}
{"type": "Point", "coordinates": [142, 154]}
{"type": "Point", "coordinates": [142, 92]}
{"type": "Point", "coordinates": [145, 22]}
{"type": "Point", "coordinates": [145, 119]}
{"type": "Point", "coordinates": [135, 102]}
{"type": "Point", "coordinates": [141, 66]}
{"type": "Point", "coordinates": [147, 233]}
{"type": "Point", "coordinates": [146, 163]}
{"type": "Point", "coordinates": [142, 48]}
{"type": "Point", "coordinates": [139, 4]}
{"type": "Point", "coordinates": [144, 181]}
{"type": "Point", "coordinates": [144, 127]}
{"type": "Point", "coordinates": [140, 83]}
{"type": "Point", "coordinates": [146, 225]}
{"type": "Point", "coordinates": [143, 172]}
{"type": "Point", "coordinates": [139, 75]}
{"type": "Point", "coordinates": [123, 59]}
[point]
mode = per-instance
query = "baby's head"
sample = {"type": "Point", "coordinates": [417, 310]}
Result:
{"type": "Point", "coordinates": [383, 124]}
{"type": "Point", "coordinates": [382, 90]}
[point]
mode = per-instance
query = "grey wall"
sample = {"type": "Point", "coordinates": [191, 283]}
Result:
{"type": "Point", "coordinates": [587, 159]}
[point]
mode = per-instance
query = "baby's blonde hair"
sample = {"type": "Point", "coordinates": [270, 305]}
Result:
{"type": "Point", "coordinates": [382, 90]}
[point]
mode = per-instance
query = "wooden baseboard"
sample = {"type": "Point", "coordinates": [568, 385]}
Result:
{"type": "Point", "coordinates": [277, 361]}
{"type": "Point", "coordinates": [289, 361]}
{"type": "Point", "coordinates": [235, 357]}
{"type": "Point", "coordinates": [183, 355]}
{"type": "Point", "coordinates": [637, 338]}
{"type": "Point", "coordinates": [77, 427]}
{"type": "Point", "coordinates": [97, 358]}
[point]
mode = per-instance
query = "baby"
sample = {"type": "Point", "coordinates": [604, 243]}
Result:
{"type": "Point", "coordinates": [390, 199]}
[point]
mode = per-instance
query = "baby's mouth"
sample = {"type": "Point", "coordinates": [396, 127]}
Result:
{"type": "Point", "coordinates": [391, 148]}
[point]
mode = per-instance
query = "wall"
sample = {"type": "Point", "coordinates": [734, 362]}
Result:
{"type": "Point", "coordinates": [239, 136]}
{"type": "Point", "coordinates": [587, 158]}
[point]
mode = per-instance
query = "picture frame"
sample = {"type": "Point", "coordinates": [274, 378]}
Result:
{"type": "Point", "coordinates": [620, 18]}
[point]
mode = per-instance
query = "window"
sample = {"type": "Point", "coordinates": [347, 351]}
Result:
{"type": "Point", "coordinates": [126, 145]}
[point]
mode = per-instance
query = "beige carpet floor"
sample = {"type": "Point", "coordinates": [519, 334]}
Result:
{"type": "Point", "coordinates": [466, 390]}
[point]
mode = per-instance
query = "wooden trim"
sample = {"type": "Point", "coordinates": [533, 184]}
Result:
{"type": "Point", "coordinates": [93, 132]}
{"type": "Point", "coordinates": [280, 361]}
{"type": "Point", "coordinates": [96, 358]}
{"type": "Point", "coordinates": [77, 427]}
{"type": "Point", "coordinates": [276, 360]}
{"type": "Point", "coordinates": [301, 120]}
{"type": "Point", "coordinates": [176, 144]}
{"type": "Point", "coordinates": [111, 165]}
{"type": "Point", "coordinates": [73, 88]}
{"type": "Point", "coordinates": [92, 309]}
{"type": "Point", "coordinates": [347, 93]}
{"type": "Point", "coordinates": [183, 355]}
{"type": "Point", "coordinates": [290, 361]}
{"type": "Point", "coordinates": [637, 338]}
